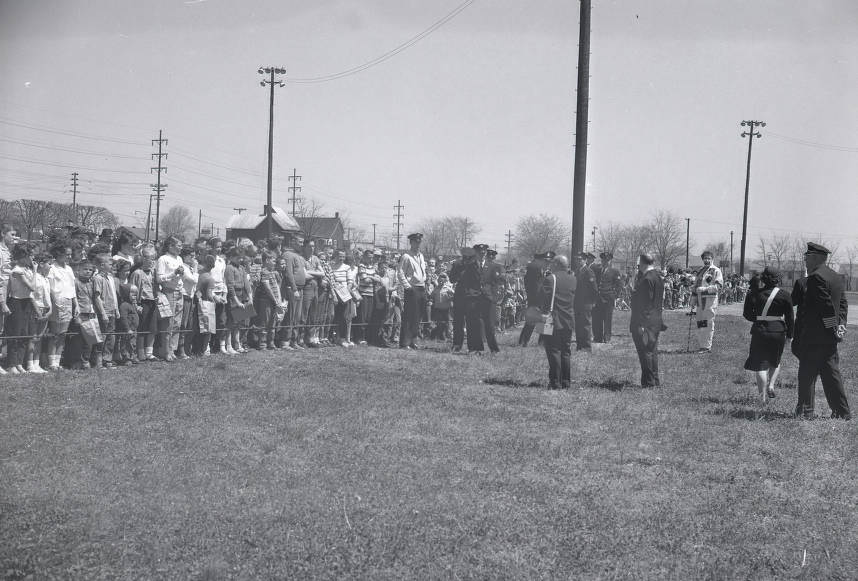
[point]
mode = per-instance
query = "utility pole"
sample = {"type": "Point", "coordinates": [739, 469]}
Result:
{"type": "Point", "coordinates": [750, 134]}
{"type": "Point", "coordinates": [594, 238]}
{"type": "Point", "coordinates": [732, 268]}
{"type": "Point", "coordinates": [158, 187]}
{"type": "Point", "coordinates": [271, 82]}
{"type": "Point", "coordinates": [373, 235]}
{"type": "Point", "coordinates": [581, 122]}
{"type": "Point", "coordinates": [74, 197]}
{"type": "Point", "coordinates": [465, 233]}
{"type": "Point", "coordinates": [294, 189]}
{"type": "Point", "coordinates": [687, 239]}
{"type": "Point", "coordinates": [508, 247]}
{"type": "Point", "coordinates": [398, 224]}
{"type": "Point", "coordinates": [239, 210]}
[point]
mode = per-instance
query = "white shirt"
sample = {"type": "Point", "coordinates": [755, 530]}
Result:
{"type": "Point", "coordinates": [61, 279]}
{"type": "Point", "coordinates": [165, 271]}
{"type": "Point", "coordinates": [412, 270]}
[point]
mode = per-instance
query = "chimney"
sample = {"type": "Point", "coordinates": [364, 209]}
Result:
{"type": "Point", "coordinates": [336, 214]}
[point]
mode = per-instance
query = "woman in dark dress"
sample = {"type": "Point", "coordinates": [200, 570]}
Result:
{"type": "Point", "coordinates": [769, 308]}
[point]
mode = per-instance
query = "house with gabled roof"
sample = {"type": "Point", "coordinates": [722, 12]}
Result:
{"type": "Point", "coordinates": [324, 230]}
{"type": "Point", "coordinates": [255, 226]}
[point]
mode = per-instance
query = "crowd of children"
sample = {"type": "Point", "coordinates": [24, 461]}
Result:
{"type": "Point", "coordinates": [77, 303]}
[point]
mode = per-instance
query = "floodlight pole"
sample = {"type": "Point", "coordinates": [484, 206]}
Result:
{"type": "Point", "coordinates": [271, 71]}
{"type": "Point", "coordinates": [750, 134]}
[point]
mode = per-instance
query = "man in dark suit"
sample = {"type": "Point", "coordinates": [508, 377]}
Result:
{"type": "Point", "coordinates": [823, 326]}
{"type": "Point", "coordinates": [533, 275]}
{"type": "Point", "coordinates": [479, 283]}
{"type": "Point", "coordinates": [459, 297]}
{"type": "Point", "coordinates": [646, 319]}
{"type": "Point", "coordinates": [609, 282]}
{"type": "Point", "coordinates": [496, 275]}
{"type": "Point", "coordinates": [586, 294]}
{"type": "Point", "coordinates": [559, 284]}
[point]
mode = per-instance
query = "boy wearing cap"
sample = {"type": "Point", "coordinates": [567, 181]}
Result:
{"type": "Point", "coordinates": [823, 325]}
{"type": "Point", "coordinates": [709, 281]}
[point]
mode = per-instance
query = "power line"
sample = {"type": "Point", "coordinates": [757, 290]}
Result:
{"type": "Point", "coordinates": [52, 164]}
{"type": "Point", "coordinates": [70, 150]}
{"type": "Point", "coordinates": [389, 54]}
{"type": "Point", "coordinates": [70, 133]}
{"type": "Point", "coordinates": [813, 144]}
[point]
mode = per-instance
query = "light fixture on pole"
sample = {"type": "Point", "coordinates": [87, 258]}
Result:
{"type": "Point", "coordinates": [271, 82]}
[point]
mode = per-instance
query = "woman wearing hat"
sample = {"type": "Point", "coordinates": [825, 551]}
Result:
{"type": "Point", "coordinates": [769, 308]}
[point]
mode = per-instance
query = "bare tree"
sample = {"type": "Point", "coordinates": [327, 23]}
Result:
{"type": "Point", "coordinates": [667, 237]}
{"type": "Point", "coordinates": [95, 218]}
{"type": "Point", "coordinates": [635, 240]}
{"type": "Point", "coordinates": [309, 210]}
{"type": "Point", "coordinates": [610, 237]}
{"type": "Point", "coordinates": [178, 221]}
{"type": "Point", "coordinates": [31, 216]}
{"type": "Point", "coordinates": [540, 233]}
{"type": "Point", "coordinates": [851, 256]}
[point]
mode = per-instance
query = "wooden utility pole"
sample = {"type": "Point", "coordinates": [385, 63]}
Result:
{"type": "Point", "coordinates": [239, 210]}
{"type": "Point", "coordinates": [581, 122]}
{"type": "Point", "coordinates": [200, 225]}
{"type": "Point", "coordinates": [271, 71]}
{"type": "Point", "coordinates": [373, 235]}
{"type": "Point", "coordinates": [750, 134]}
{"type": "Point", "coordinates": [687, 239]}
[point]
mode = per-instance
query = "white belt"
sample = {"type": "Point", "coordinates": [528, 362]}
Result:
{"type": "Point", "coordinates": [770, 318]}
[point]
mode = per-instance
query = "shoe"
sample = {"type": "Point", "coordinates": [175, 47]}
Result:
{"type": "Point", "coordinates": [553, 385]}
{"type": "Point", "coordinates": [153, 358]}
{"type": "Point", "coordinates": [3, 371]}
{"type": "Point", "coordinates": [20, 368]}
{"type": "Point", "coordinates": [704, 350]}
{"type": "Point", "coordinates": [361, 342]}
{"type": "Point", "coordinates": [50, 368]}
{"type": "Point", "coordinates": [313, 345]}
{"type": "Point", "coordinates": [287, 347]}
{"type": "Point", "coordinates": [14, 371]}
{"type": "Point", "coordinates": [770, 392]}
{"type": "Point", "coordinates": [109, 364]}
{"type": "Point", "coordinates": [838, 416]}
{"type": "Point", "coordinates": [230, 351]}
{"type": "Point", "coordinates": [456, 349]}
{"type": "Point", "coordinates": [296, 346]}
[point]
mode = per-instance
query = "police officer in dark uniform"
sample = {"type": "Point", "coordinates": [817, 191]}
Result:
{"type": "Point", "coordinates": [823, 325]}
{"type": "Point", "coordinates": [478, 279]}
{"type": "Point", "coordinates": [496, 276]}
{"type": "Point", "coordinates": [609, 283]}
{"type": "Point", "coordinates": [459, 296]}
{"type": "Point", "coordinates": [533, 274]}
{"type": "Point", "coordinates": [586, 294]}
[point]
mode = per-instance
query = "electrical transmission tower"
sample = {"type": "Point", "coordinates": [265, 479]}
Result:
{"type": "Point", "coordinates": [74, 197]}
{"type": "Point", "coordinates": [157, 187]}
{"type": "Point", "coordinates": [398, 224]}
{"type": "Point", "coordinates": [294, 189]}
{"type": "Point", "coordinates": [509, 237]}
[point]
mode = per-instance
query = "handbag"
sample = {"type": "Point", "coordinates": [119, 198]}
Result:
{"type": "Point", "coordinates": [546, 324]}
{"type": "Point", "coordinates": [90, 330]}
{"type": "Point", "coordinates": [165, 311]}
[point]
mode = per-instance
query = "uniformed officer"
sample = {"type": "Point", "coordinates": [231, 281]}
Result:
{"type": "Point", "coordinates": [586, 294]}
{"type": "Point", "coordinates": [459, 296]}
{"type": "Point", "coordinates": [609, 283]}
{"type": "Point", "coordinates": [823, 325]}
{"type": "Point", "coordinates": [478, 278]}
{"type": "Point", "coordinates": [412, 277]}
{"type": "Point", "coordinates": [496, 276]}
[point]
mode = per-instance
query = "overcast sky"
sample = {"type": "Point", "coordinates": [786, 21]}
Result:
{"type": "Point", "coordinates": [476, 118]}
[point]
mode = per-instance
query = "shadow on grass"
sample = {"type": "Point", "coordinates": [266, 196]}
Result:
{"type": "Point", "coordinates": [611, 384]}
{"type": "Point", "coordinates": [753, 415]}
{"type": "Point", "coordinates": [507, 382]}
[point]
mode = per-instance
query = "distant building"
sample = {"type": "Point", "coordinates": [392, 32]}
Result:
{"type": "Point", "coordinates": [255, 226]}
{"type": "Point", "coordinates": [324, 230]}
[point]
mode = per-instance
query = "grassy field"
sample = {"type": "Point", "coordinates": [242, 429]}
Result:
{"type": "Point", "coordinates": [382, 464]}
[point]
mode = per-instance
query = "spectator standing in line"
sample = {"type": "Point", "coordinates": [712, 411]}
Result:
{"type": "Point", "coordinates": [823, 326]}
{"type": "Point", "coordinates": [189, 328]}
{"type": "Point", "coordinates": [368, 281]}
{"type": "Point", "coordinates": [309, 300]}
{"type": "Point", "coordinates": [64, 301]}
{"type": "Point", "coordinates": [169, 274]}
{"type": "Point", "coordinates": [8, 236]}
{"type": "Point", "coordinates": [558, 297]}
{"type": "Point", "coordinates": [442, 302]}
{"type": "Point", "coordinates": [646, 322]}
{"type": "Point", "coordinates": [292, 291]}
{"type": "Point", "coordinates": [459, 298]}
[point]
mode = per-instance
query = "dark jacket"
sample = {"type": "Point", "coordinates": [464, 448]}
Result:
{"type": "Point", "coordinates": [587, 293]}
{"type": "Point", "coordinates": [823, 308]}
{"type": "Point", "coordinates": [533, 275]}
{"type": "Point", "coordinates": [647, 302]}
{"type": "Point", "coordinates": [564, 299]}
{"type": "Point", "coordinates": [609, 282]}
{"type": "Point", "coordinates": [781, 306]}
